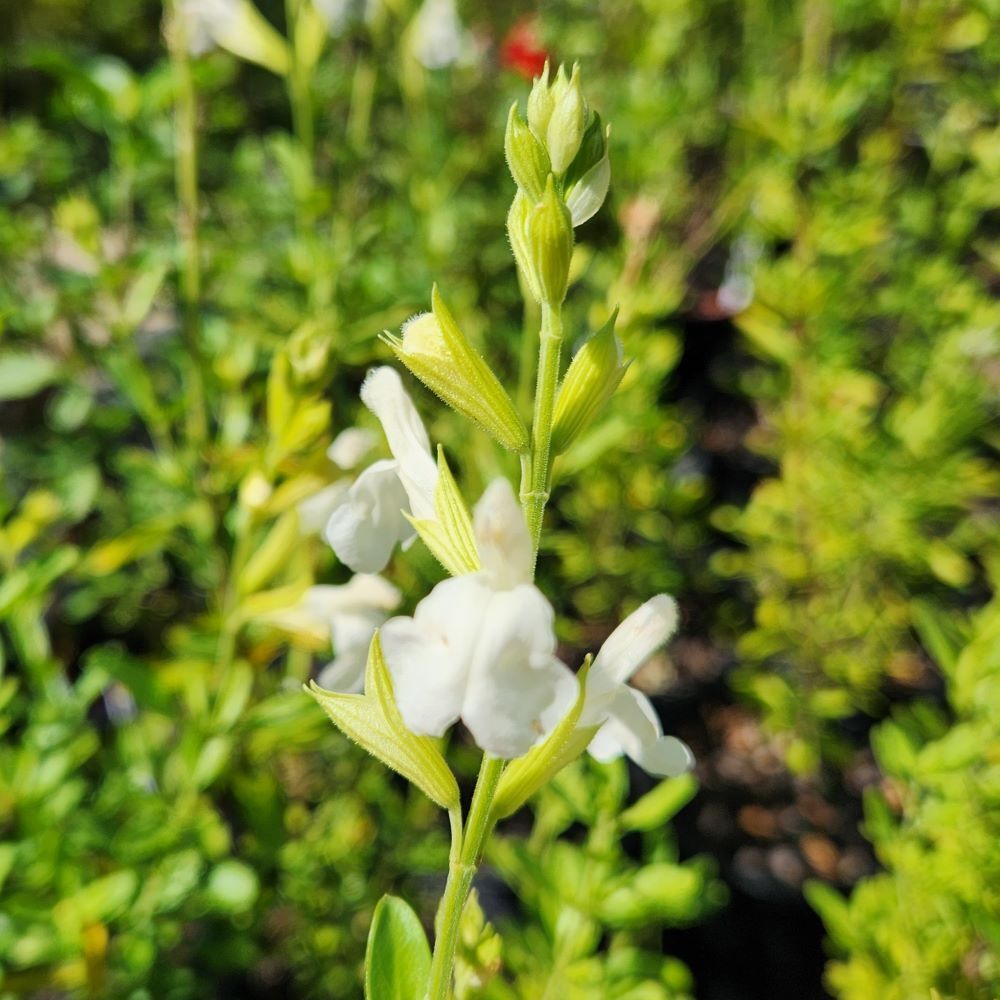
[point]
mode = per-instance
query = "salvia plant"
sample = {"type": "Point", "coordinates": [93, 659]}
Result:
{"type": "Point", "coordinates": [480, 647]}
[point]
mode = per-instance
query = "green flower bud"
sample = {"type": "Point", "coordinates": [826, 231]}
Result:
{"type": "Point", "coordinates": [526, 157]}
{"type": "Point", "coordinates": [434, 348]}
{"type": "Point", "coordinates": [517, 232]}
{"type": "Point", "coordinates": [550, 244]}
{"type": "Point", "coordinates": [567, 124]}
{"type": "Point", "coordinates": [591, 380]}
{"type": "Point", "coordinates": [540, 105]}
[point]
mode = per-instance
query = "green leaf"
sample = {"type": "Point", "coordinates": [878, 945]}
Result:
{"type": "Point", "coordinates": [398, 958]}
{"type": "Point", "coordinates": [233, 887]}
{"type": "Point", "coordinates": [660, 805]}
{"type": "Point", "coordinates": [141, 295]}
{"type": "Point", "coordinates": [373, 721]}
{"type": "Point", "coordinates": [524, 776]}
{"type": "Point", "coordinates": [273, 554]}
{"type": "Point", "coordinates": [23, 373]}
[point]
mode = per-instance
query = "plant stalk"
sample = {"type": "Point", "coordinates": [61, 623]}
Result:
{"type": "Point", "coordinates": [535, 497]}
{"type": "Point", "coordinates": [186, 181]}
{"type": "Point", "coordinates": [461, 870]}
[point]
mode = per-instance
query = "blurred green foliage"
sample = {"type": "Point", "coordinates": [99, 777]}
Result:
{"type": "Point", "coordinates": [825, 176]}
{"type": "Point", "coordinates": [593, 917]}
{"type": "Point", "coordinates": [930, 925]}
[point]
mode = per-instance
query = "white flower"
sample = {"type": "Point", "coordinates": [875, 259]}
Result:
{"type": "Point", "coordinates": [353, 610]}
{"type": "Point", "coordinates": [365, 527]}
{"type": "Point", "coordinates": [481, 647]}
{"type": "Point", "coordinates": [631, 725]}
{"type": "Point", "coordinates": [339, 14]}
{"type": "Point", "coordinates": [350, 446]}
{"type": "Point", "coordinates": [205, 20]}
{"type": "Point", "coordinates": [315, 510]}
{"type": "Point", "coordinates": [438, 36]}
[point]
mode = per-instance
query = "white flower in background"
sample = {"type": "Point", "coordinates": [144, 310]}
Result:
{"type": "Point", "coordinates": [351, 446]}
{"type": "Point", "coordinates": [348, 450]}
{"type": "Point", "coordinates": [481, 647]}
{"type": "Point", "coordinates": [365, 527]}
{"type": "Point", "coordinates": [353, 610]}
{"type": "Point", "coordinates": [205, 20]}
{"type": "Point", "coordinates": [315, 510]}
{"type": "Point", "coordinates": [338, 15]}
{"type": "Point", "coordinates": [437, 36]}
{"type": "Point", "coordinates": [631, 725]}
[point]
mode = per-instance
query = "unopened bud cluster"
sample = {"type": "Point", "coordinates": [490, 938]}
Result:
{"type": "Point", "coordinates": [558, 158]}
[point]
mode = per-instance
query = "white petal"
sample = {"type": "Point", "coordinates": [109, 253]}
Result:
{"type": "Point", "coordinates": [502, 536]}
{"type": "Point", "coordinates": [635, 640]}
{"type": "Point", "coordinates": [436, 34]}
{"type": "Point", "coordinates": [589, 192]}
{"type": "Point", "coordinates": [362, 592]}
{"type": "Point", "coordinates": [346, 672]}
{"type": "Point", "coordinates": [567, 689]}
{"type": "Point", "coordinates": [365, 528]}
{"type": "Point", "coordinates": [429, 655]}
{"type": "Point", "coordinates": [514, 676]}
{"type": "Point", "coordinates": [634, 729]}
{"type": "Point", "coordinates": [383, 394]}
{"type": "Point", "coordinates": [315, 511]}
{"type": "Point", "coordinates": [351, 446]}
{"type": "Point", "coordinates": [355, 630]}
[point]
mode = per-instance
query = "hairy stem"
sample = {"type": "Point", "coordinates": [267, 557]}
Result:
{"type": "Point", "coordinates": [535, 497]}
{"type": "Point", "coordinates": [464, 862]}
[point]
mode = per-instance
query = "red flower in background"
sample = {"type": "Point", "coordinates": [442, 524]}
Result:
{"type": "Point", "coordinates": [522, 49]}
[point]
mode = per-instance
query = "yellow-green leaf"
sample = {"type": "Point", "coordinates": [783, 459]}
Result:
{"type": "Point", "coordinates": [373, 721]}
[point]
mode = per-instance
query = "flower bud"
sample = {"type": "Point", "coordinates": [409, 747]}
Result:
{"type": "Point", "coordinates": [526, 157]}
{"type": "Point", "coordinates": [591, 380]}
{"type": "Point", "coordinates": [540, 105]}
{"type": "Point", "coordinates": [567, 124]}
{"type": "Point", "coordinates": [517, 232]}
{"type": "Point", "coordinates": [434, 348]}
{"type": "Point", "coordinates": [550, 244]}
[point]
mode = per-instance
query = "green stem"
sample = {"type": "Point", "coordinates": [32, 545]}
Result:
{"type": "Point", "coordinates": [464, 862]}
{"type": "Point", "coordinates": [186, 180]}
{"type": "Point", "coordinates": [540, 477]}
{"type": "Point", "coordinates": [225, 652]}
{"type": "Point", "coordinates": [300, 100]}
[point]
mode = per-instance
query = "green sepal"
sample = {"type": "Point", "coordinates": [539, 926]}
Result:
{"type": "Point", "coordinates": [449, 536]}
{"type": "Point", "coordinates": [436, 350]}
{"type": "Point", "coordinates": [591, 380]}
{"type": "Point", "coordinates": [517, 233]}
{"type": "Point", "coordinates": [525, 775]}
{"type": "Point", "coordinates": [373, 721]}
{"type": "Point", "coordinates": [398, 957]}
{"type": "Point", "coordinates": [526, 157]}
{"type": "Point", "coordinates": [550, 244]}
